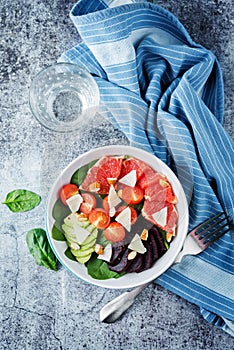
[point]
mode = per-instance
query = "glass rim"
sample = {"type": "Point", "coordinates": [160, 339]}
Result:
{"type": "Point", "coordinates": [62, 127]}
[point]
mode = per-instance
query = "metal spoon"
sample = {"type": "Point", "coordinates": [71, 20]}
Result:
{"type": "Point", "coordinates": [116, 307]}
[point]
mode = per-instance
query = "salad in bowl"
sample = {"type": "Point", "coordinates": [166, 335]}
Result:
{"type": "Point", "coordinates": [117, 217]}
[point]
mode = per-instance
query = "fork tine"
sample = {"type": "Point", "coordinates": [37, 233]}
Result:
{"type": "Point", "coordinates": [205, 223]}
{"type": "Point", "coordinates": [196, 243]}
{"type": "Point", "coordinates": [215, 238]}
{"type": "Point", "coordinates": [214, 234]}
{"type": "Point", "coordinates": [212, 229]}
{"type": "Point", "coordinates": [202, 233]}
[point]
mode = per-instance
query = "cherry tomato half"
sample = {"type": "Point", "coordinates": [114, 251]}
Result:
{"type": "Point", "coordinates": [133, 213]}
{"type": "Point", "coordinates": [115, 232]}
{"type": "Point", "coordinates": [88, 204]}
{"type": "Point", "coordinates": [68, 191]}
{"type": "Point", "coordinates": [132, 195]}
{"type": "Point", "coordinates": [105, 204]}
{"type": "Point", "coordinates": [99, 218]}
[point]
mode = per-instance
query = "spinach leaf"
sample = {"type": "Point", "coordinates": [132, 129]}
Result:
{"type": "Point", "coordinates": [40, 249]}
{"type": "Point", "coordinates": [98, 269]}
{"type": "Point", "coordinates": [163, 233]}
{"type": "Point", "coordinates": [127, 156]}
{"type": "Point", "coordinates": [138, 207]}
{"type": "Point", "coordinates": [59, 212]}
{"type": "Point", "coordinates": [57, 233]}
{"type": "Point", "coordinates": [21, 200]}
{"type": "Point", "coordinates": [101, 238]}
{"type": "Point", "coordinates": [79, 175]}
{"type": "Point", "coordinates": [69, 254]}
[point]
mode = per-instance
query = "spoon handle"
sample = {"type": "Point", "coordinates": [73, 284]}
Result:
{"type": "Point", "coordinates": [116, 307]}
{"type": "Point", "coordinates": [138, 290]}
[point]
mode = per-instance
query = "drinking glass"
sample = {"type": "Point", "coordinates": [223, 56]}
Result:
{"type": "Point", "coordinates": [64, 97]}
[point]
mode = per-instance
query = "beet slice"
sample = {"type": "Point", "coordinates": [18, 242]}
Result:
{"type": "Point", "coordinates": [159, 240]}
{"type": "Point", "coordinates": [154, 247]}
{"type": "Point", "coordinates": [147, 259]}
{"type": "Point", "coordinates": [123, 264]}
{"type": "Point", "coordinates": [135, 264]}
{"type": "Point", "coordinates": [148, 256]}
{"type": "Point", "coordinates": [117, 253]}
{"type": "Point", "coordinates": [141, 267]}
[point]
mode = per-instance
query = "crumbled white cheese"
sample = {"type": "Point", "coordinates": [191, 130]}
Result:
{"type": "Point", "coordinates": [137, 245]}
{"type": "Point", "coordinates": [80, 233]}
{"type": "Point", "coordinates": [160, 217]}
{"type": "Point", "coordinates": [124, 218]}
{"type": "Point", "coordinates": [129, 179]}
{"type": "Point", "coordinates": [74, 202]}
{"type": "Point", "coordinates": [113, 198]}
{"type": "Point", "coordinates": [106, 254]}
{"type": "Point", "coordinates": [112, 212]}
{"type": "Point", "coordinates": [75, 246]}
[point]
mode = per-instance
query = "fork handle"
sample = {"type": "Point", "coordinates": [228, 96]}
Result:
{"type": "Point", "coordinates": [190, 247]}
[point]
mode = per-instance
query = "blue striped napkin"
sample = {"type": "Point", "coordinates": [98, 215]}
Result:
{"type": "Point", "coordinates": [142, 57]}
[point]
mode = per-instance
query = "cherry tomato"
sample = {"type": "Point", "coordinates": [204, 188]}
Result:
{"type": "Point", "coordinates": [105, 204]}
{"type": "Point", "coordinates": [99, 218]}
{"type": "Point", "coordinates": [68, 191]}
{"type": "Point", "coordinates": [133, 213]}
{"type": "Point", "coordinates": [132, 195]}
{"type": "Point", "coordinates": [115, 232]}
{"type": "Point", "coordinates": [88, 204]}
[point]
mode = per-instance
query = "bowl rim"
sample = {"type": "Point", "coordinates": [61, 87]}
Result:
{"type": "Point", "coordinates": [126, 281]}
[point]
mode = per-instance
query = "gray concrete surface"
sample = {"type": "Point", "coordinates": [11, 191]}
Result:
{"type": "Point", "coordinates": [41, 309]}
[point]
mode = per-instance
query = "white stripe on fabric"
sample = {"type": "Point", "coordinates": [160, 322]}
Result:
{"type": "Point", "coordinates": [174, 283]}
{"type": "Point", "coordinates": [121, 52]}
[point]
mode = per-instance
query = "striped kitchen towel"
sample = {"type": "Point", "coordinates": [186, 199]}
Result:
{"type": "Point", "coordinates": [165, 92]}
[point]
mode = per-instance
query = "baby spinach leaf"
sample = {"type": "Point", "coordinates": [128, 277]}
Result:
{"type": "Point", "coordinates": [101, 239]}
{"type": "Point", "coordinates": [98, 269]}
{"type": "Point", "coordinates": [40, 249]}
{"type": "Point", "coordinates": [138, 207]}
{"type": "Point", "coordinates": [69, 254]}
{"type": "Point", "coordinates": [60, 211]}
{"type": "Point", "coordinates": [57, 233]}
{"type": "Point", "coordinates": [21, 200]}
{"type": "Point", "coordinates": [163, 233]}
{"type": "Point", "coordinates": [79, 175]}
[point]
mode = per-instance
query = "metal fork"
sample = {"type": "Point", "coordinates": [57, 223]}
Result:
{"type": "Point", "coordinates": [196, 241]}
{"type": "Point", "coordinates": [204, 235]}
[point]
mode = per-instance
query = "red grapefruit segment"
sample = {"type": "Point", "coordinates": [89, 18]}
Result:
{"type": "Point", "coordinates": [107, 167]}
{"type": "Point", "coordinates": [151, 208]}
{"type": "Point", "coordinates": [130, 164]}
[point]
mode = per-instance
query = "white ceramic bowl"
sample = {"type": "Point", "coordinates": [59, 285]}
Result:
{"type": "Point", "coordinates": [131, 279]}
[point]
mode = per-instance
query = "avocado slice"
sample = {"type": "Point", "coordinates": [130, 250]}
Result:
{"type": "Point", "coordinates": [90, 238]}
{"type": "Point", "coordinates": [91, 228]}
{"type": "Point", "coordinates": [84, 259]}
{"type": "Point", "coordinates": [81, 253]}
{"type": "Point", "coordinates": [69, 233]}
{"type": "Point", "coordinates": [73, 219]}
{"type": "Point", "coordinates": [87, 247]}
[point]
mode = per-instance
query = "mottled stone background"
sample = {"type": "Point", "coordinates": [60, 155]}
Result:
{"type": "Point", "coordinates": [41, 309]}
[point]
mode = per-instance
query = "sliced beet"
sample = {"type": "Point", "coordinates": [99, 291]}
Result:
{"type": "Point", "coordinates": [117, 253]}
{"type": "Point", "coordinates": [159, 240]}
{"type": "Point", "coordinates": [148, 256]}
{"type": "Point", "coordinates": [122, 265]}
{"type": "Point", "coordinates": [141, 267]}
{"type": "Point", "coordinates": [147, 259]}
{"type": "Point", "coordinates": [135, 264]}
{"type": "Point", "coordinates": [154, 247]}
